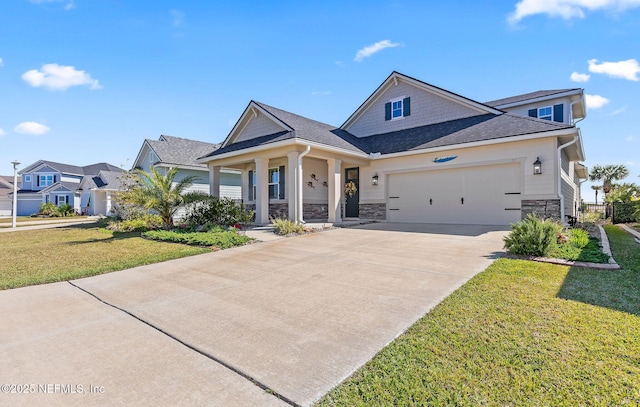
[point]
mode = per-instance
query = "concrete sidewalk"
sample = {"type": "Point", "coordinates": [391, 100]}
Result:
{"type": "Point", "coordinates": [295, 316]}
{"type": "Point", "coordinates": [47, 224]}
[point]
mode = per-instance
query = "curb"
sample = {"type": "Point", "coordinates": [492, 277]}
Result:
{"type": "Point", "coordinates": [633, 232]}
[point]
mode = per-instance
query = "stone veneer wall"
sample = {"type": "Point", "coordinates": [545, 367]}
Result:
{"type": "Point", "coordinates": [315, 211]}
{"type": "Point", "coordinates": [376, 211]}
{"type": "Point", "coordinates": [546, 208]}
{"type": "Point", "coordinates": [276, 210]}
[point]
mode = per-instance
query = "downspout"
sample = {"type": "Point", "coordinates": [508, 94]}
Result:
{"type": "Point", "coordinates": [299, 206]}
{"type": "Point", "coordinates": [575, 139]}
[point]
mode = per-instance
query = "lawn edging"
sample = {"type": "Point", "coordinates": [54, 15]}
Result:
{"type": "Point", "coordinates": [635, 233]}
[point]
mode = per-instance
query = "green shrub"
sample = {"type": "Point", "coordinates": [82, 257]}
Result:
{"type": "Point", "coordinates": [47, 208]}
{"type": "Point", "coordinates": [624, 212]}
{"type": "Point", "coordinates": [219, 211]}
{"type": "Point", "coordinates": [532, 236]}
{"type": "Point", "coordinates": [141, 224]}
{"type": "Point", "coordinates": [63, 210]}
{"type": "Point", "coordinates": [578, 238]}
{"type": "Point", "coordinates": [286, 227]}
{"type": "Point", "coordinates": [219, 239]}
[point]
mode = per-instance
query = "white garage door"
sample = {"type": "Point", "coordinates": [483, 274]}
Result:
{"type": "Point", "coordinates": [487, 195]}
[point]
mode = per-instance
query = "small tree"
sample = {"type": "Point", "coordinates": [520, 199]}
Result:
{"type": "Point", "coordinates": [596, 188]}
{"type": "Point", "coordinates": [607, 174]}
{"type": "Point", "coordinates": [159, 193]}
{"type": "Point", "coordinates": [625, 192]}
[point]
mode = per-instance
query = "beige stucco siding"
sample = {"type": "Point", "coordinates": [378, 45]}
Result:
{"type": "Point", "coordinates": [522, 152]}
{"type": "Point", "coordinates": [426, 108]}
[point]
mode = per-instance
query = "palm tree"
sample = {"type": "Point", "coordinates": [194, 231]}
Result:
{"type": "Point", "coordinates": [607, 174]}
{"type": "Point", "coordinates": [159, 193]}
{"type": "Point", "coordinates": [596, 188]}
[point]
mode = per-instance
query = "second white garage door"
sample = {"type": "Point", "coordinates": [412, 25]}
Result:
{"type": "Point", "coordinates": [487, 195]}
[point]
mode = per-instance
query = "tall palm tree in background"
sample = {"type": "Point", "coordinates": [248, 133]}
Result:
{"type": "Point", "coordinates": [159, 193]}
{"type": "Point", "coordinates": [596, 188]}
{"type": "Point", "coordinates": [607, 174]}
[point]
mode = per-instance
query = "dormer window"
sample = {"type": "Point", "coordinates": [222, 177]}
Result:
{"type": "Point", "coordinates": [397, 108]}
{"type": "Point", "coordinates": [545, 113]}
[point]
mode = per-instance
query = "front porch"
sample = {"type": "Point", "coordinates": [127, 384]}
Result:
{"type": "Point", "coordinates": [297, 183]}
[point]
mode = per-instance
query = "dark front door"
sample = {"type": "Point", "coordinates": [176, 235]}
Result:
{"type": "Point", "coordinates": [351, 209]}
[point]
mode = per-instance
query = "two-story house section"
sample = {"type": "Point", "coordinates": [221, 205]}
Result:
{"type": "Point", "coordinates": [565, 106]}
{"type": "Point", "coordinates": [59, 183]}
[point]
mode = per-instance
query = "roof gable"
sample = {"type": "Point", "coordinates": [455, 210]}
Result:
{"type": "Point", "coordinates": [175, 151]}
{"type": "Point", "coordinates": [429, 105]}
{"type": "Point", "coordinates": [256, 121]}
{"type": "Point", "coordinates": [61, 186]}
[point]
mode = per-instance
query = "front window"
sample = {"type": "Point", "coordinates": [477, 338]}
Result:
{"type": "Point", "coordinates": [274, 183]}
{"type": "Point", "coordinates": [62, 199]}
{"type": "Point", "coordinates": [545, 113]}
{"type": "Point", "coordinates": [27, 178]}
{"type": "Point", "coordinates": [45, 180]}
{"type": "Point", "coordinates": [396, 109]}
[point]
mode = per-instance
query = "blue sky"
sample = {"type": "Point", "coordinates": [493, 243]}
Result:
{"type": "Point", "coordinates": [85, 81]}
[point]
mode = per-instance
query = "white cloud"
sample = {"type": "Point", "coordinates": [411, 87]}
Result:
{"type": "Point", "coordinates": [2, 133]}
{"type": "Point", "coordinates": [628, 69]}
{"type": "Point", "coordinates": [32, 128]}
{"type": "Point", "coordinates": [629, 138]}
{"type": "Point", "coordinates": [177, 18]}
{"type": "Point", "coordinates": [567, 9]}
{"type": "Point", "coordinates": [595, 101]}
{"type": "Point", "coordinates": [321, 93]}
{"type": "Point", "coordinates": [579, 77]}
{"type": "Point", "coordinates": [68, 6]}
{"type": "Point", "coordinates": [59, 77]}
{"type": "Point", "coordinates": [372, 49]}
{"type": "Point", "coordinates": [1, 63]}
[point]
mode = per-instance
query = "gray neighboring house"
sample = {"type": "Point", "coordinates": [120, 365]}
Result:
{"type": "Point", "coordinates": [168, 152]}
{"type": "Point", "coordinates": [59, 183]}
{"type": "Point", "coordinates": [6, 198]}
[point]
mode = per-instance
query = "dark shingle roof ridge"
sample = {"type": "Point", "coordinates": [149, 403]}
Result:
{"type": "Point", "coordinates": [62, 167]}
{"type": "Point", "coordinates": [188, 140]}
{"type": "Point", "coordinates": [276, 112]}
{"type": "Point", "coordinates": [527, 96]}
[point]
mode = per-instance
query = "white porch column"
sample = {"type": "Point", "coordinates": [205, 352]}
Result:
{"type": "Point", "coordinates": [334, 177]}
{"type": "Point", "coordinates": [262, 191]}
{"type": "Point", "coordinates": [108, 203]}
{"type": "Point", "coordinates": [214, 180]}
{"type": "Point", "coordinates": [291, 182]}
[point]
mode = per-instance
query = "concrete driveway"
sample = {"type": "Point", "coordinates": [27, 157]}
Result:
{"type": "Point", "coordinates": [274, 323]}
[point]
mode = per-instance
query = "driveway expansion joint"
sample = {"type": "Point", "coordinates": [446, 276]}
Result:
{"type": "Point", "coordinates": [237, 371]}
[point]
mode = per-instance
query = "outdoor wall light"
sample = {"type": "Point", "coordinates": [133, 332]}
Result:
{"type": "Point", "coordinates": [537, 166]}
{"type": "Point", "coordinates": [374, 179]}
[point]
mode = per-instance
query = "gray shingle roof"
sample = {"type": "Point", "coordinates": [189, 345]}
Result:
{"type": "Point", "coordinates": [303, 129]}
{"type": "Point", "coordinates": [528, 96]}
{"type": "Point", "coordinates": [461, 131]}
{"type": "Point", "coordinates": [181, 151]}
{"type": "Point", "coordinates": [92, 169]}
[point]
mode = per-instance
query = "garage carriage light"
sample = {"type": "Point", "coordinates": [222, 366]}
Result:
{"type": "Point", "coordinates": [537, 166]}
{"type": "Point", "coordinates": [374, 179]}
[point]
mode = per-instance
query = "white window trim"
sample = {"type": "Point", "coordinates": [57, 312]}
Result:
{"type": "Point", "coordinates": [40, 176]}
{"type": "Point", "coordinates": [550, 115]}
{"type": "Point", "coordinates": [62, 199]}
{"type": "Point", "coordinates": [401, 100]}
{"type": "Point", "coordinates": [27, 178]}
{"type": "Point", "coordinates": [277, 184]}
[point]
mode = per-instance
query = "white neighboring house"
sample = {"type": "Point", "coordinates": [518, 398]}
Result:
{"type": "Point", "coordinates": [415, 152]}
{"type": "Point", "coordinates": [168, 152]}
{"type": "Point", "coordinates": [6, 195]}
{"type": "Point", "coordinates": [59, 183]}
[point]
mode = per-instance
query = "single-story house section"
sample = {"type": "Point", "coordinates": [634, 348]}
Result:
{"type": "Point", "coordinates": [59, 183]}
{"type": "Point", "coordinates": [168, 152]}
{"type": "Point", "coordinates": [412, 152]}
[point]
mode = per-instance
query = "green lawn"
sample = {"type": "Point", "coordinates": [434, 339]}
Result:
{"type": "Point", "coordinates": [48, 255]}
{"type": "Point", "coordinates": [519, 333]}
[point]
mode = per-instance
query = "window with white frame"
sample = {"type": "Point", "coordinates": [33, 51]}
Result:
{"type": "Point", "coordinates": [45, 180]}
{"type": "Point", "coordinates": [62, 199]}
{"type": "Point", "coordinates": [396, 109]}
{"type": "Point", "coordinates": [274, 183]}
{"type": "Point", "coordinates": [27, 178]}
{"type": "Point", "coordinates": [545, 113]}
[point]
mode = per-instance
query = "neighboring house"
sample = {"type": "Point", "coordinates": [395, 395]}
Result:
{"type": "Point", "coordinates": [168, 152]}
{"type": "Point", "coordinates": [6, 194]}
{"type": "Point", "coordinates": [415, 152]}
{"type": "Point", "coordinates": [48, 181]}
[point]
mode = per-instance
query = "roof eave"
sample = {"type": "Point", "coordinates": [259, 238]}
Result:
{"type": "Point", "coordinates": [540, 99]}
